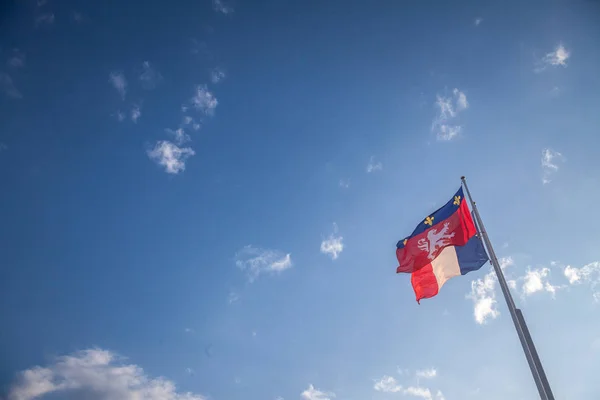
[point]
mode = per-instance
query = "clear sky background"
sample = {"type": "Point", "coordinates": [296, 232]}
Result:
{"type": "Point", "coordinates": [201, 200]}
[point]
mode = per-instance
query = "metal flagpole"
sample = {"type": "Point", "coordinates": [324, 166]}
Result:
{"type": "Point", "coordinates": [539, 376]}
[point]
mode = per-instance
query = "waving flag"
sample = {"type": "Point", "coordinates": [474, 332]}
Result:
{"type": "Point", "coordinates": [452, 261]}
{"type": "Point", "coordinates": [451, 225]}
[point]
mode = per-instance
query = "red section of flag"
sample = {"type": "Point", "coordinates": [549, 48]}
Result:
{"type": "Point", "coordinates": [424, 283]}
{"type": "Point", "coordinates": [421, 249]}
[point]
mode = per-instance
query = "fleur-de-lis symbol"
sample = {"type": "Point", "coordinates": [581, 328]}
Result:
{"type": "Point", "coordinates": [429, 221]}
{"type": "Point", "coordinates": [405, 240]}
{"type": "Point", "coordinates": [456, 200]}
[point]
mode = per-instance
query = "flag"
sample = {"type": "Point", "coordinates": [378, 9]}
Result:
{"type": "Point", "coordinates": [452, 261]}
{"type": "Point", "coordinates": [451, 225]}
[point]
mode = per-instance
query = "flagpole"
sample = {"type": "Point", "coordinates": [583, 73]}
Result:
{"type": "Point", "coordinates": [539, 376]}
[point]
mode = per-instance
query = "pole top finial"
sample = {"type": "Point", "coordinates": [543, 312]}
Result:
{"type": "Point", "coordinates": [462, 178]}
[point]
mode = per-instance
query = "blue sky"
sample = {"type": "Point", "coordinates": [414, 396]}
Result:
{"type": "Point", "coordinates": [202, 200]}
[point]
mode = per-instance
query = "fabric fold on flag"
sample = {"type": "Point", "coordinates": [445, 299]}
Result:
{"type": "Point", "coordinates": [452, 261]}
{"type": "Point", "coordinates": [450, 225]}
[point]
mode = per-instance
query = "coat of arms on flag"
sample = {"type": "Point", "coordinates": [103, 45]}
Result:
{"type": "Point", "coordinates": [444, 245]}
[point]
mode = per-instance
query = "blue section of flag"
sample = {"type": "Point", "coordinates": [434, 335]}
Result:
{"type": "Point", "coordinates": [437, 216]}
{"type": "Point", "coordinates": [471, 256]}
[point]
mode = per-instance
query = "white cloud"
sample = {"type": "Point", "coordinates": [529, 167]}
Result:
{"type": "Point", "coordinates": [188, 330]}
{"type": "Point", "coordinates": [189, 371]}
{"type": "Point", "coordinates": [170, 156]}
{"type": "Point", "coordinates": [217, 75]}
{"type": "Point", "coordinates": [44, 19]}
{"type": "Point", "coordinates": [315, 394]}
{"type": "Point", "coordinates": [17, 60]}
{"type": "Point", "coordinates": [204, 100]}
{"type": "Point", "coordinates": [344, 183]}
{"type": "Point", "coordinates": [536, 280]}
{"type": "Point", "coordinates": [483, 294]}
{"type": "Point", "coordinates": [149, 77]}
{"type": "Point", "coordinates": [93, 374]}
{"type": "Point", "coordinates": [559, 56]}
{"type": "Point", "coordinates": [232, 297]}
{"type": "Point", "coordinates": [478, 21]}
{"type": "Point", "coordinates": [550, 163]}
{"type": "Point", "coordinates": [506, 262]}
{"type": "Point", "coordinates": [220, 6]}
{"type": "Point", "coordinates": [117, 79]}
{"type": "Point", "coordinates": [588, 274]}
{"type": "Point", "coordinates": [179, 135]}
{"type": "Point", "coordinates": [136, 112]}
{"type": "Point", "coordinates": [373, 166]}
{"type": "Point", "coordinates": [8, 87]}
{"type": "Point", "coordinates": [418, 391]}
{"type": "Point", "coordinates": [120, 116]}
{"type": "Point", "coordinates": [448, 109]}
{"type": "Point", "coordinates": [427, 373]}
{"type": "Point", "coordinates": [256, 261]}
{"type": "Point", "coordinates": [448, 132]}
{"type": "Point", "coordinates": [333, 245]}
{"type": "Point", "coordinates": [387, 384]}
{"type": "Point", "coordinates": [461, 100]}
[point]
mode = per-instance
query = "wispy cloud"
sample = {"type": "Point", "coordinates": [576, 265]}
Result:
{"type": "Point", "coordinates": [551, 161]}
{"type": "Point", "coordinates": [387, 384]}
{"type": "Point", "coordinates": [188, 330]}
{"type": "Point", "coordinates": [315, 394]}
{"type": "Point", "coordinates": [217, 75]}
{"type": "Point", "coordinates": [179, 135]}
{"type": "Point", "coordinates": [344, 183]}
{"type": "Point", "coordinates": [188, 121]}
{"type": "Point", "coordinates": [149, 77]}
{"type": "Point", "coordinates": [418, 391]}
{"type": "Point", "coordinates": [3, 147]}
{"type": "Point", "coordinates": [120, 116]}
{"type": "Point", "coordinates": [44, 19]}
{"type": "Point", "coordinates": [333, 245]}
{"type": "Point", "coordinates": [17, 59]}
{"type": "Point", "coordinates": [8, 87]}
{"type": "Point", "coordinates": [589, 274]}
{"type": "Point", "coordinates": [444, 124]}
{"type": "Point", "coordinates": [204, 100]}
{"type": "Point", "coordinates": [221, 7]}
{"type": "Point", "coordinates": [428, 373]}
{"type": "Point", "coordinates": [136, 112]}
{"type": "Point", "coordinates": [94, 374]}
{"type": "Point", "coordinates": [373, 166]}
{"type": "Point", "coordinates": [117, 79]}
{"type": "Point", "coordinates": [256, 261]}
{"type": "Point", "coordinates": [77, 17]}
{"type": "Point", "coordinates": [483, 294]}
{"type": "Point", "coordinates": [232, 297]}
{"type": "Point", "coordinates": [478, 21]}
{"type": "Point", "coordinates": [170, 156]}
{"type": "Point", "coordinates": [555, 58]}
